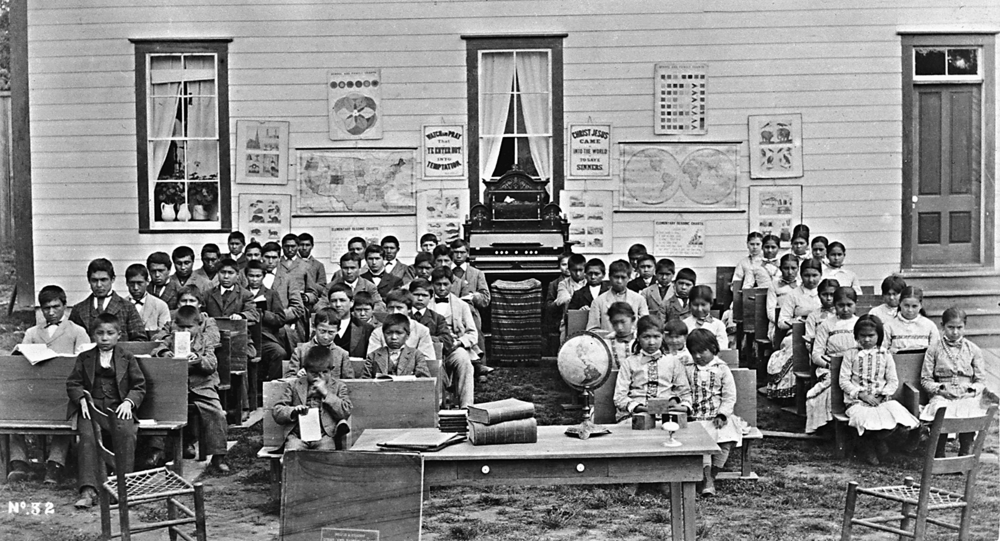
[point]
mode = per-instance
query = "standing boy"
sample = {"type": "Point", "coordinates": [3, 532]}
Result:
{"type": "Point", "coordinates": [468, 284]}
{"type": "Point", "coordinates": [65, 338]}
{"type": "Point", "coordinates": [598, 317]}
{"type": "Point", "coordinates": [160, 284]}
{"type": "Point", "coordinates": [154, 312]}
{"type": "Point", "coordinates": [318, 388]}
{"type": "Point", "coordinates": [395, 358]}
{"type": "Point", "coordinates": [115, 383]}
{"type": "Point", "coordinates": [209, 421]}
{"type": "Point", "coordinates": [101, 276]}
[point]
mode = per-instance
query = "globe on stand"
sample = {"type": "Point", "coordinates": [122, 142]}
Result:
{"type": "Point", "coordinates": [585, 363]}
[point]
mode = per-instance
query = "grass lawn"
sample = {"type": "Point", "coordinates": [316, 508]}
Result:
{"type": "Point", "coordinates": [800, 494]}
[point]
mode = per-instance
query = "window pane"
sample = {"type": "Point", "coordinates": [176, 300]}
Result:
{"type": "Point", "coordinates": [203, 160]}
{"type": "Point", "coordinates": [930, 61]}
{"type": "Point", "coordinates": [167, 196]}
{"type": "Point", "coordinates": [172, 158]}
{"type": "Point", "coordinates": [963, 62]}
{"type": "Point", "coordinates": [203, 200]}
{"type": "Point", "coordinates": [201, 117]}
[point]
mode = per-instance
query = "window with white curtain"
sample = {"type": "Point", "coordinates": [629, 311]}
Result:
{"type": "Point", "coordinates": [515, 112]}
{"type": "Point", "coordinates": [183, 147]}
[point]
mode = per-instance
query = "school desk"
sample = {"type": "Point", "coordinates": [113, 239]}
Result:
{"type": "Point", "coordinates": [624, 456]}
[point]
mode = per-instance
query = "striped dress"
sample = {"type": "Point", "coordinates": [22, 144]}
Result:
{"type": "Point", "coordinates": [713, 391]}
{"type": "Point", "coordinates": [916, 333]}
{"type": "Point", "coordinates": [833, 337]}
{"type": "Point", "coordinates": [795, 306]}
{"type": "Point", "coordinates": [957, 367]}
{"type": "Point", "coordinates": [872, 371]}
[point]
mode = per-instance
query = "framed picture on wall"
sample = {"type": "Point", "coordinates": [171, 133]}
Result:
{"type": "Point", "coordinates": [775, 146]}
{"type": "Point", "coordinates": [262, 152]}
{"type": "Point", "coordinates": [774, 210]}
{"type": "Point", "coordinates": [265, 217]}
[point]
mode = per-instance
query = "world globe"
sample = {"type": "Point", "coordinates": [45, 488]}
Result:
{"type": "Point", "coordinates": [585, 361]}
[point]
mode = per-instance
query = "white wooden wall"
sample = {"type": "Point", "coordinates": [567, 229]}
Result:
{"type": "Point", "coordinates": [836, 62]}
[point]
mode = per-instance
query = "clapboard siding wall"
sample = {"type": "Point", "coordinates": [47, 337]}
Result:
{"type": "Point", "coordinates": [837, 63]}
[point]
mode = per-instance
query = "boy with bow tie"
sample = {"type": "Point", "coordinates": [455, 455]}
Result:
{"type": "Point", "coordinates": [154, 312]}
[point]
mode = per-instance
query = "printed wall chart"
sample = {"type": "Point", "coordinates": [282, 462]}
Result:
{"type": "Point", "coordinates": [680, 93]}
{"type": "Point", "coordinates": [444, 152]}
{"type": "Point", "coordinates": [590, 151]}
{"type": "Point", "coordinates": [356, 181]}
{"type": "Point", "coordinates": [775, 146]}
{"type": "Point", "coordinates": [665, 176]}
{"type": "Point", "coordinates": [265, 217]}
{"type": "Point", "coordinates": [679, 238]}
{"type": "Point", "coordinates": [774, 210]}
{"type": "Point", "coordinates": [589, 215]}
{"type": "Point", "coordinates": [261, 152]}
{"type": "Point", "coordinates": [442, 212]}
{"type": "Point", "coordinates": [355, 104]}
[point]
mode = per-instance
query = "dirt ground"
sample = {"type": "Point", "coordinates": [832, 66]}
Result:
{"type": "Point", "coordinates": [800, 494]}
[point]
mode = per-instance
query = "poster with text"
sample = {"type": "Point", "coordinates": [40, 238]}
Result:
{"type": "Point", "coordinates": [679, 239]}
{"type": "Point", "coordinates": [444, 151]}
{"type": "Point", "coordinates": [341, 235]}
{"type": "Point", "coordinates": [261, 152]}
{"type": "Point", "coordinates": [774, 210]}
{"type": "Point", "coordinates": [265, 217]}
{"type": "Point", "coordinates": [590, 151]}
{"type": "Point", "coordinates": [589, 216]}
{"type": "Point", "coordinates": [442, 212]}
{"type": "Point", "coordinates": [355, 104]}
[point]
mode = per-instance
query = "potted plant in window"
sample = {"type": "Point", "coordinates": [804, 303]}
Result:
{"type": "Point", "coordinates": [204, 200]}
{"type": "Point", "coordinates": [169, 196]}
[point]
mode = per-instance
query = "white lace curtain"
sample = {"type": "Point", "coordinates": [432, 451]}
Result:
{"type": "Point", "coordinates": [167, 77]}
{"type": "Point", "coordinates": [497, 72]}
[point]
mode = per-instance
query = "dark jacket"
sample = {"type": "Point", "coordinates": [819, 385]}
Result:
{"type": "Point", "coordinates": [583, 299]}
{"type": "Point", "coordinates": [439, 329]}
{"type": "Point", "coordinates": [411, 362]}
{"type": "Point", "coordinates": [84, 314]}
{"type": "Point", "coordinates": [131, 382]}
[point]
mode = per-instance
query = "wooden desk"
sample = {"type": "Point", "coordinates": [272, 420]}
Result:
{"type": "Point", "coordinates": [624, 456]}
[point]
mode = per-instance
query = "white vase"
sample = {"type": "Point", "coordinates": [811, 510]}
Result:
{"type": "Point", "coordinates": [198, 213]}
{"type": "Point", "coordinates": [167, 213]}
{"type": "Point", "coordinates": [183, 214]}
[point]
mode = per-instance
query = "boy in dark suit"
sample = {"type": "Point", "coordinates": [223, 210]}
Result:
{"type": "Point", "coordinates": [229, 299]}
{"type": "Point", "coordinates": [352, 333]}
{"type": "Point", "coordinates": [646, 267]}
{"type": "Point", "coordinates": [318, 388]}
{"type": "Point", "coordinates": [377, 274]}
{"type": "Point", "coordinates": [115, 383]}
{"type": "Point", "coordinates": [677, 306]}
{"type": "Point", "coordinates": [395, 267]}
{"type": "Point", "coordinates": [594, 273]}
{"type": "Point", "coordinates": [160, 285]}
{"type": "Point", "coordinates": [458, 372]}
{"type": "Point", "coordinates": [237, 242]}
{"type": "Point", "coordinates": [314, 267]}
{"type": "Point", "coordinates": [209, 422]}
{"type": "Point", "coordinates": [101, 275]}
{"type": "Point", "coordinates": [395, 358]}
{"type": "Point", "coordinates": [273, 317]}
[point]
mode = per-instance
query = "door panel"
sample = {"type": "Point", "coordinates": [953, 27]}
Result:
{"type": "Point", "coordinates": [946, 175]}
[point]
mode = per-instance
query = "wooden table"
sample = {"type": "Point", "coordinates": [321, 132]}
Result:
{"type": "Point", "coordinates": [624, 456]}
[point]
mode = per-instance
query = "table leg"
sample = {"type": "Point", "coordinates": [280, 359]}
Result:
{"type": "Point", "coordinates": [4, 456]}
{"type": "Point", "coordinates": [676, 512]}
{"type": "Point", "coordinates": [178, 444]}
{"type": "Point", "coordinates": [690, 522]}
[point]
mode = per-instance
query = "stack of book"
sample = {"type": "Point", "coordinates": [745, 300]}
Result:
{"type": "Point", "coordinates": [453, 421]}
{"type": "Point", "coordinates": [503, 421]}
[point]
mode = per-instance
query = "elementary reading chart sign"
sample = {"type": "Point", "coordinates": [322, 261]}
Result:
{"type": "Point", "coordinates": [444, 151]}
{"type": "Point", "coordinates": [590, 151]}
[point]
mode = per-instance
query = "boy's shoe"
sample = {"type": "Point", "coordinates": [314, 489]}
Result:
{"type": "Point", "coordinates": [53, 473]}
{"type": "Point", "coordinates": [189, 451]}
{"type": "Point", "coordinates": [708, 488]}
{"type": "Point", "coordinates": [218, 464]}
{"type": "Point", "coordinates": [18, 471]}
{"type": "Point", "coordinates": [87, 497]}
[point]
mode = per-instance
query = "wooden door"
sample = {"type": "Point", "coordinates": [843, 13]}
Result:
{"type": "Point", "coordinates": [946, 177]}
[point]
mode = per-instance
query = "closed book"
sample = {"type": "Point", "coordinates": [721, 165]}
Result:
{"type": "Point", "coordinates": [516, 431]}
{"type": "Point", "coordinates": [508, 409]}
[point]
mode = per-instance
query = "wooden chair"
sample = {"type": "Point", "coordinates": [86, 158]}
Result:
{"type": "Point", "coordinates": [142, 487]}
{"type": "Point", "coordinates": [802, 367]}
{"type": "Point", "coordinates": [746, 409]}
{"type": "Point", "coordinates": [731, 357]}
{"type": "Point", "coordinates": [576, 322]}
{"type": "Point", "coordinates": [724, 287]}
{"type": "Point", "coordinates": [919, 500]}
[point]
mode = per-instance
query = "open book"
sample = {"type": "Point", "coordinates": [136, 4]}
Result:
{"type": "Point", "coordinates": [410, 377]}
{"type": "Point", "coordinates": [35, 353]}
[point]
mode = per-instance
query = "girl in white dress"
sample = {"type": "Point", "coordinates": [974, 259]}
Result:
{"type": "Point", "coordinates": [910, 330]}
{"type": "Point", "coordinates": [819, 246]}
{"type": "Point", "coordinates": [769, 256]}
{"type": "Point", "coordinates": [700, 301]}
{"type": "Point", "coordinates": [779, 288]}
{"type": "Point", "coordinates": [796, 306]}
{"type": "Point", "coordinates": [868, 378]}
{"type": "Point", "coordinates": [834, 336]}
{"type": "Point", "coordinates": [892, 288]}
{"type": "Point", "coordinates": [750, 270]}
{"type": "Point", "coordinates": [954, 375]}
{"type": "Point", "coordinates": [713, 397]}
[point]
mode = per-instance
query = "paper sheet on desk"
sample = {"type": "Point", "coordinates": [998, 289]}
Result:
{"type": "Point", "coordinates": [390, 377]}
{"type": "Point", "coordinates": [35, 353]}
{"type": "Point", "coordinates": [309, 429]}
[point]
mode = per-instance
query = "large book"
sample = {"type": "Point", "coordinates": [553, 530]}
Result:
{"type": "Point", "coordinates": [509, 409]}
{"type": "Point", "coordinates": [516, 431]}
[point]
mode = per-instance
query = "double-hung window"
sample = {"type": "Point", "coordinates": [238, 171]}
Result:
{"type": "Point", "coordinates": [183, 136]}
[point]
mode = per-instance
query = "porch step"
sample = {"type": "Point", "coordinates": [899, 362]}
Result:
{"type": "Point", "coordinates": [949, 278]}
{"type": "Point", "coordinates": [984, 339]}
{"type": "Point", "coordinates": [979, 318]}
{"type": "Point", "coordinates": [967, 299]}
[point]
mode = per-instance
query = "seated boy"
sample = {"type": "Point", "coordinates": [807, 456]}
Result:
{"type": "Point", "coordinates": [229, 299]}
{"type": "Point", "coordinates": [350, 274]}
{"type": "Point", "coordinates": [209, 422]}
{"type": "Point", "coordinates": [661, 289]}
{"type": "Point", "coordinates": [677, 306]}
{"type": "Point", "coordinates": [237, 242]}
{"type": "Point", "coordinates": [395, 358]}
{"type": "Point", "coordinates": [364, 308]}
{"type": "Point", "coordinates": [116, 385]}
{"type": "Point", "coordinates": [66, 338]}
{"type": "Point", "coordinates": [160, 285]}
{"type": "Point", "coordinates": [400, 301]}
{"type": "Point", "coordinates": [101, 275]}
{"type": "Point", "coordinates": [428, 241]}
{"type": "Point", "coordinates": [318, 388]}
{"type": "Point", "coordinates": [325, 327]}
{"type": "Point", "coordinates": [892, 287]}
{"type": "Point", "coordinates": [634, 253]}
{"type": "Point", "coordinates": [646, 267]}
{"type": "Point", "coordinates": [273, 317]}
{"type": "Point", "coordinates": [598, 317]}
{"type": "Point", "coordinates": [458, 371]}
{"type": "Point", "coordinates": [154, 312]}
{"type": "Point", "coordinates": [395, 267]}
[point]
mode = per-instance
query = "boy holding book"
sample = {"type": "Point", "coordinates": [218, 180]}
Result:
{"type": "Point", "coordinates": [318, 388]}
